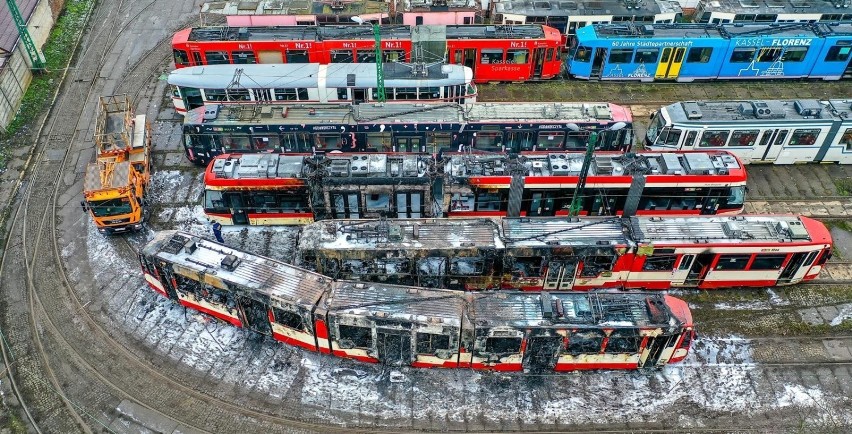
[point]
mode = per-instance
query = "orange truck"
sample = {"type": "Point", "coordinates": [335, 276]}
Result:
{"type": "Point", "coordinates": [117, 181]}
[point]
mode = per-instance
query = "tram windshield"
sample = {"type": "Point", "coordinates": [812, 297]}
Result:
{"type": "Point", "coordinates": [109, 207]}
{"type": "Point", "coordinates": [657, 124]}
{"type": "Point", "coordinates": [736, 196]}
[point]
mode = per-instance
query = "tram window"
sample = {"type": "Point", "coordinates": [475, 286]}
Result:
{"type": "Point", "coordinates": [822, 259]}
{"type": "Point", "coordinates": [491, 57]}
{"type": "Point", "coordinates": [217, 57]}
{"type": "Point", "coordinates": [377, 203]}
{"type": "Point", "coordinates": [846, 140]}
{"type": "Point", "coordinates": [520, 140]}
{"type": "Point", "coordinates": [286, 95]}
{"type": "Point", "coordinates": [266, 142]}
{"type": "Point", "coordinates": [327, 141]}
{"type": "Point", "coordinates": [595, 265]}
{"type": "Point", "coordinates": [794, 54]}
{"type": "Point", "coordinates": [342, 93]}
{"type": "Point", "coordinates": [619, 55]}
{"type": "Point", "coordinates": [303, 93]}
{"type": "Point", "coordinates": [429, 93]}
{"type": "Point", "coordinates": [236, 143]}
{"type": "Point", "coordinates": [501, 345]}
{"type": "Point", "coordinates": [488, 140]}
{"type": "Point", "coordinates": [690, 138]}
{"type": "Point", "coordinates": [669, 137]}
{"type": "Point", "coordinates": [654, 202]}
{"type": "Point", "coordinates": [355, 337]}
{"type": "Point", "coordinates": [486, 201]}
{"type": "Point", "coordinates": [699, 55]}
{"type": "Point", "coordinates": [404, 93]}
{"type": "Point", "coordinates": [213, 200]}
{"type": "Point", "coordinates": [462, 202]}
{"type": "Point", "coordinates": [527, 266]}
{"type": "Point", "coordinates": [551, 55]}
{"type": "Point", "coordinates": [743, 17]}
{"type": "Point", "coordinates": [804, 137]}
{"type": "Point", "coordinates": [437, 141]}
{"type": "Point", "coordinates": [393, 56]}
{"type": "Point", "coordinates": [550, 140]}
{"type": "Point", "coordinates": [466, 266]}
{"type": "Point", "coordinates": [519, 56]}
{"type": "Point", "coordinates": [742, 55]}
{"type": "Point", "coordinates": [288, 319]}
{"type": "Point", "coordinates": [244, 57]}
{"type": "Point", "coordinates": [238, 95]}
{"type": "Point", "coordinates": [181, 58]}
{"type": "Point", "coordinates": [583, 54]}
{"type": "Point", "coordinates": [380, 141]}
{"type": "Point", "coordinates": [713, 138]}
{"type": "Point", "coordinates": [297, 56]}
{"type": "Point", "coordinates": [646, 55]}
{"type": "Point", "coordinates": [743, 137]}
{"type": "Point", "coordinates": [659, 263]}
{"type": "Point", "coordinates": [838, 53]}
{"type": "Point", "coordinates": [584, 342]}
{"type": "Point", "coordinates": [366, 56]}
{"type": "Point", "coordinates": [780, 138]}
{"type": "Point", "coordinates": [215, 95]}
{"type": "Point", "coordinates": [428, 343]}
{"type": "Point", "coordinates": [623, 341]}
{"type": "Point", "coordinates": [765, 18]}
{"type": "Point", "coordinates": [736, 196]}
{"type": "Point", "coordinates": [341, 56]}
{"type": "Point", "coordinates": [768, 262]}
{"type": "Point", "coordinates": [769, 54]}
{"type": "Point", "coordinates": [732, 262]}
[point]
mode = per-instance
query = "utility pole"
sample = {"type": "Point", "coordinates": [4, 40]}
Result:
{"type": "Point", "coordinates": [576, 201]}
{"type": "Point", "coordinates": [380, 70]}
{"type": "Point", "coordinates": [35, 58]}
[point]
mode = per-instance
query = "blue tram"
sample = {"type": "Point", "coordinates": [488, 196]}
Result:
{"type": "Point", "coordinates": [687, 52]}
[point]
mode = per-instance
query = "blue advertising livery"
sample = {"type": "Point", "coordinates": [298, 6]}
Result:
{"type": "Point", "coordinates": [688, 52]}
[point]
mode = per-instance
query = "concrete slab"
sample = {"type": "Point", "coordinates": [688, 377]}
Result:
{"type": "Point", "coordinates": [828, 313]}
{"type": "Point", "coordinates": [811, 316]}
{"type": "Point", "coordinates": [838, 350]}
{"type": "Point", "coordinates": [173, 159]}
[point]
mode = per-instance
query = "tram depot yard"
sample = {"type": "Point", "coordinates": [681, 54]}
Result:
{"type": "Point", "coordinates": [766, 359]}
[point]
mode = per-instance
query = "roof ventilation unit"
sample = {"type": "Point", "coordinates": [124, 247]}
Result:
{"type": "Point", "coordinates": [692, 110]}
{"type": "Point", "coordinates": [808, 107]}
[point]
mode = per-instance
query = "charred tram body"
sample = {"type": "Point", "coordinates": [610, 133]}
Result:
{"type": "Point", "coordinates": [216, 129]}
{"type": "Point", "coordinates": [415, 326]}
{"type": "Point", "coordinates": [260, 189]}
{"type": "Point", "coordinates": [571, 253]}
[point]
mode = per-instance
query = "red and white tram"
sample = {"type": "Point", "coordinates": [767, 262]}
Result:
{"type": "Point", "coordinates": [258, 189]}
{"type": "Point", "coordinates": [584, 253]}
{"type": "Point", "coordinates": [494, 53]}
{"type": "Point", "coordinates": [415, 326]}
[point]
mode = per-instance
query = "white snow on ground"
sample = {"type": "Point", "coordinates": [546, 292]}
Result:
{"type": "Point", "coordinates": [844, 314]}
{"type": "Point", "coordinates": [719, 375]}
{"type": "Point", "coordinates": [776, 299]}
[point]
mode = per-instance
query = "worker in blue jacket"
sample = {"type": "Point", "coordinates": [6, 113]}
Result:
{"type": "Point", "coordinates": [217, 232]}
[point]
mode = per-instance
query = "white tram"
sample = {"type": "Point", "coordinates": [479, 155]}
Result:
{"type": "Point", "coordinates": [780, 132]}
{"type": "Point", "coordinates": [312, 82]}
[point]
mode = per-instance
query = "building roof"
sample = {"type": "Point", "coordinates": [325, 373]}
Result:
{"type": "Point", "coordinates": [8, 31]}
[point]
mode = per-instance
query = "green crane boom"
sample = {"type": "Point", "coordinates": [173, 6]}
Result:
{"type": "Point", "coordinates": [32, 51]}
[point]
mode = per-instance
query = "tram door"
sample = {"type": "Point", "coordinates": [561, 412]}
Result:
{"type": "Point", "coordinates": [469, 59]}
{"type": "Point", "coordinates": [791, 271]}
{"type": "Point", "coordinates": [192, 97]}
{"type": "Point", "coordinates": [711, 201]}
{"type": "Point", "coordinates": [699, 268]}
{"type": "Point", "coordinates": [560, 274]}
{"type": "Point", "coordinates": [542, 204]}
{"type": "Point", "coordinates": [393, 346]}
{"type": "Point", "coordinates": [538, 62]}
{"type": "Point", "coordinates": [407, 144]}
{"type": "Point", "coordinates": [542, 352]}
{"type": "Point", "coordinates": [598, 63]}
{"type": "Point", "coordinates": [238, 211]}
{"type": "Point", "coordinates": [255, 315]}
{"type": "Point", "coordinates": [770, 145]}
{"type": "Point", "coordinates": [670, 62]}
{"type": "Point", "coordinates": [653, 353]}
